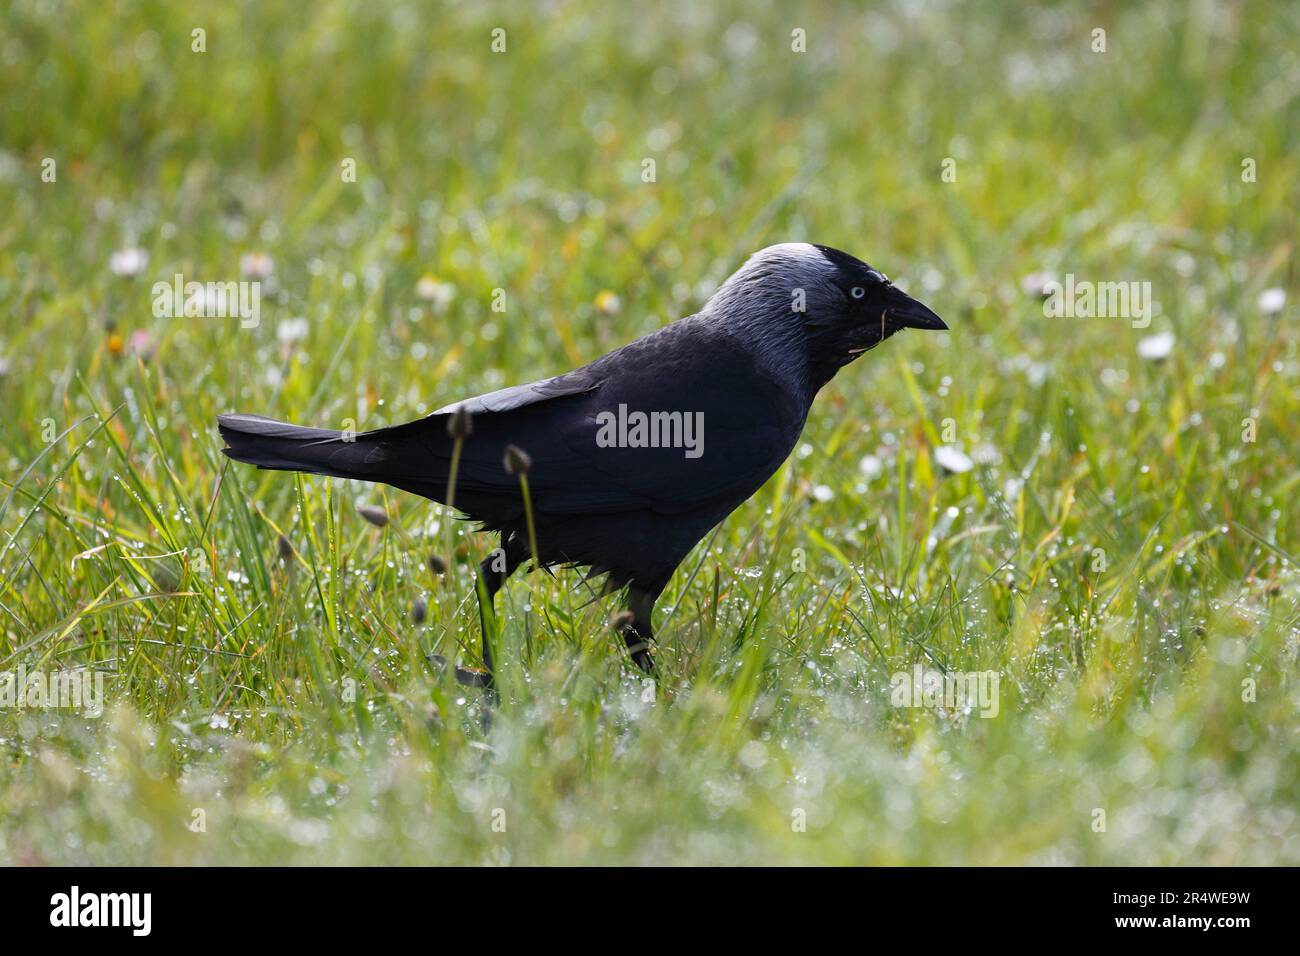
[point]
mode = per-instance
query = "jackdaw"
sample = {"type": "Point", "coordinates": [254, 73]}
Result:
{"type": "Point", "coordinates": [632, 459]}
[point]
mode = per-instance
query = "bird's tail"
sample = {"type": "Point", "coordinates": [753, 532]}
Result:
{"type": "Point", "coordinates": [280, 446]}
{"type": "Point", "coordinates": [270, 444]}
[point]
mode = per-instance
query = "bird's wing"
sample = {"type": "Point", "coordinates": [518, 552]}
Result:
{"type": "Point", "coordinates": [746, 427]}
{"type": "Point", "coordinates": [517, 396]}
{"type": "Point", "coordinates": [744, 424]}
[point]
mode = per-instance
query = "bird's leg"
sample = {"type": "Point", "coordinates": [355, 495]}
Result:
{"type": "Point", "coordinates": [492, 574]}
{"type": "Point", "coordinates": [637, 632]}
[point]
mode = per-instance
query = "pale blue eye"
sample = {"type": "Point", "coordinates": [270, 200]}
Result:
{"type": "Point", "coordinates": [857, 292]}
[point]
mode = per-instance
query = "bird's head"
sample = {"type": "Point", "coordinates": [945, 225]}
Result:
{"type": "Point", "coordinates": [810, 310]}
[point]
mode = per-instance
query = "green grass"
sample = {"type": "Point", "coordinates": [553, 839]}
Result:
{"type": "Point", "coordinates": [131, 546]}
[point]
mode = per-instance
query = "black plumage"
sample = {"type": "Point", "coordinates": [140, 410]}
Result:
{"type": "Point", "coordinates": [750, 362]}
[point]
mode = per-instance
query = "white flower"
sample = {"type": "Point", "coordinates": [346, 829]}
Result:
{"type": "Point", "coordinates": [128, 262]}
{"type": "Point", "coordinates": [1036, 282]}
{"type": "Point", "coordinates": [292, 330]}
{"type": "Point", "coordinates": [952, 459]}
{"type": "Point", "coordinates": [1272, 301]}
{"type": "Point", "coordinates": [431, 289]}
{"type": "Point", "coordinates": [608, 303]}
{"type": "Point", "coordinates": [256, 265]}
{"type": "Point", "coordinates": [822, 493]}
{"type": "Point", "coordinates": [1156, 348]}
{"type": "Point", "coordinates": [871, 466]}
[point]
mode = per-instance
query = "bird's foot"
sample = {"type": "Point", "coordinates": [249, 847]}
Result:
{"type": "Point", "coordinates": [640, 653]}
{"type": "Point", "coordinates": [473, 677]}
{"type": "Point", "coordinates": [466, 676]}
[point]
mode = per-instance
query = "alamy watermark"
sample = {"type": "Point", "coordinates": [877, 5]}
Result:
{"type": "Point", "coordinates": [954, 691]}
{"type": "Point", "coordinates": [1083, 299]}
{"type": "Point", "coordinates": [62, 689]}
{"type": "Point", "coordinates": [75, 908]}
{"type": "Point", "coordinates": [209, 300]}
{"type": "Point", "coordinates": [636, 429]}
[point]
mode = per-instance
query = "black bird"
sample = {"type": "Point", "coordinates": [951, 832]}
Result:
{"type": "Point", "coordinates": [636, 456]}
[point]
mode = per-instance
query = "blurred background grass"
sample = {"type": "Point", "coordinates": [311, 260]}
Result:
{"type": "Point", "coordinates": [131, 548]}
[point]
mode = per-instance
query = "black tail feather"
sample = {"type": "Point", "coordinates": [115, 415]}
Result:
{"type": "Point", "coordinates": [405, 456]}
{"type": "Point", "coordinates": [280, 446]}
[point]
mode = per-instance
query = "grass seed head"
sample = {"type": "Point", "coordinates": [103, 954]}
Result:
{"type": "Point", "coordinates": [517, 461]}
{"type": "Point", "coordinates": [167, 577]}
{"type": "Point", "coordinates": [460, 424]}
{"type": "Point", "coordinates": [376, 516]}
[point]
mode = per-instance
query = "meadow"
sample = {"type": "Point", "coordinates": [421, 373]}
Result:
{"type": "Point", "coordinates": [1095, 509]}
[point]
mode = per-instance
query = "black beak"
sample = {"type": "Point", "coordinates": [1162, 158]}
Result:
{"type": "Point", "coordinates": [907, 313]}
